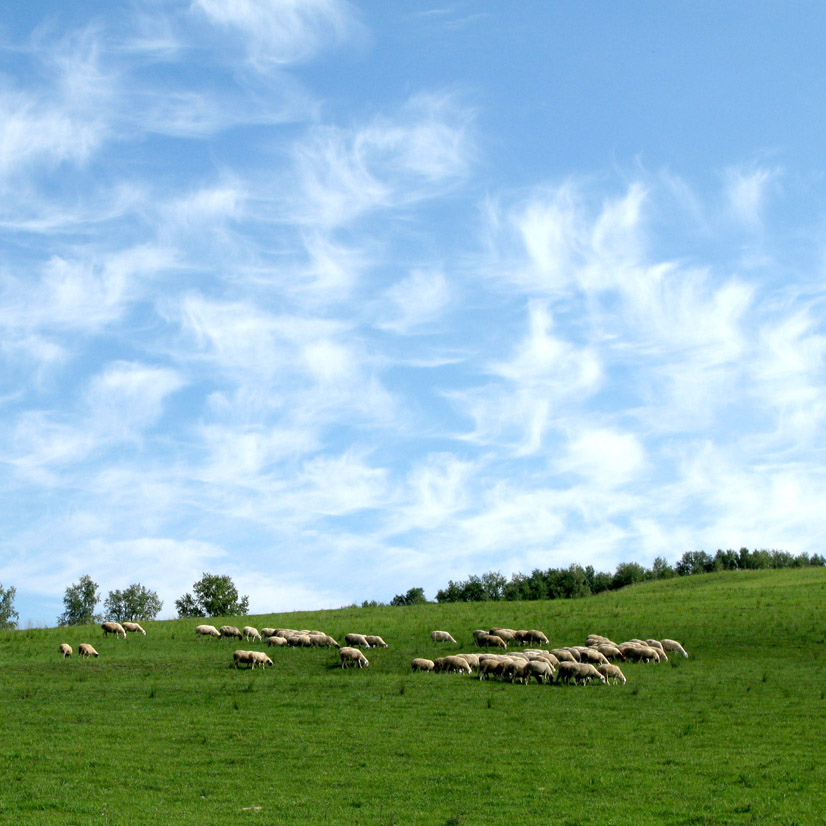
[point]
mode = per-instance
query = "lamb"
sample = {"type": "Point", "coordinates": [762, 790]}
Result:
{"type": "Point", "coordinates": [65, 650]}
{"type": "Point", "coordinates": [352, 656]}
{"type": "Point", "coordinates": [230, 631]}
{"type": "Point", "coordinates": [356, 640]}
{"type": "Point", "coordinates": [673, 645]}
{"type": "Point", "coordinates": [86, 650]}
{"type": "Point", "coordinates": [113, 628]}
{"type": "Point", "coordinates": [251, 633]}
{"type": "Point", "coordinates": [375, 642]}
{"type": "Point", "coordinates": [134, 628]}
{"type": "Point", "coordinates": [442, 636]}
{"type": "Point", "coordinates": [275, 641]}
{"type": "Point", "coordinates": [611, 672]}
{"type": "Point", "coordinates": [207, 631]}
{"type": "Point", "coordinates": [421, 664]}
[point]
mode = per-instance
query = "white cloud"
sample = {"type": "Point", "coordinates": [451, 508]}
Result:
{"type": "Point", "coordinates": [412, 304]}
{"type": "Point", "coordinates": [746, 190]}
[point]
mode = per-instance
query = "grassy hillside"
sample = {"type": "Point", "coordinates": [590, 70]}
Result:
{"type": "Point", "coordinates": [163, 730]}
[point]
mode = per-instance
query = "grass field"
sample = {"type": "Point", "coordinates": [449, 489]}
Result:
{"type": "Point", "coordinates": [162, 730]}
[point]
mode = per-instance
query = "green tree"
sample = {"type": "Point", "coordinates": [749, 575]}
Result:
{"type": "Point", "coordinates": [79, 601]}
{"type": "Point", "coordinates": [415, 596]}
{"type": "Point", "coordinates": [215, 595]}
{"type": "Point", "coordinates": [133, 604]}
{"type": "Point", "coordinates": [8, 616]}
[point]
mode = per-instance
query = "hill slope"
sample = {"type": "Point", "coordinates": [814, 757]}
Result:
{"type": "Point", "coordinates": [163, 730]}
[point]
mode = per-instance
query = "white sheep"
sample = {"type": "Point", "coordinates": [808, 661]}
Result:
{"type": "Point", "coordinates": [267, 632]}
{"type": "Point", "coordinates": [113, 628]}
{"type": "Point", "coordinates": [251, 633]}
{"type": "Point", "coordinates": [230, 631]}
{"type": "Point", "coordinates": [260, 658]}
{"type": "Point", "coordinates": [491, 641]}
{"type": "Point", "coordinates": [323, 641]}
{"type": "Point", "coordinates": [375, 642]}
{"type": "Point", "coordinates": [134, 628]}
{"type": "Point", "coordinates": [207, 631]}
{"type": "Point", "coordinates": [241, 656]}
{"type": "Point", "coordinates": [352, 656]}
{"type": "Point", "coordinates": [86, 650]}
{"type": "Point", "coordinates": [611, 672]}
{"type": "Point", "coordinates": [422, 664]}
{"type": "Point", "coordinates": [356, 640]}
{"type": "Point", "coordinates": [441, 636]}
{"type": "Point", "coordinates": [586, 672]}
{"type": "Point", "coordinates": [276, 641]}
{"type": "Point", "coordinates": [673, 645]}
{"type": "Point", "coordinates": [65, 650]}
{"type": "Point", "coordinates": [541, 670]}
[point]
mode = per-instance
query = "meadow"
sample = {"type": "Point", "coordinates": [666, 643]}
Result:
{"type": "Point", "coordinates": [163, 730]}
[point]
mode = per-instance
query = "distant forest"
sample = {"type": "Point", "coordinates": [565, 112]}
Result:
{"type": "Point", "coordinates": [576, 581]}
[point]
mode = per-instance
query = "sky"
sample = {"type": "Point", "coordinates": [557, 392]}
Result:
{"type": "Point", "coordinates": [345, 298]}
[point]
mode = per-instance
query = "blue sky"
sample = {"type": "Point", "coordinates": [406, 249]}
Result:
{"type": "Point", "coordinates": [341, 299]}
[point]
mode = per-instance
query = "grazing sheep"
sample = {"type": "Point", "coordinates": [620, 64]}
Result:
{"type": "Point", "coordinates": [276, 641]}
{"type": "Point", "coordinates": [267, 632]}
{"type": "Point", "coordinates": [673, 645]}
{"type": "Point", "coordinates": [471, 659]}
{"type": "Point", "coordinates": [260, 658]}
{"type": "Point", "coordinates": [477, 635]}
{"type": "Point", "coordinates": [598, 639]}
{"type": "Point", "coordinates": [505, 633]}
{"type": "Point", "coordinates": [491, 667]}
{"type": "Point", "coordinates": [207, 631]}
{"type": "Point", "coordinates": [375, 642]}
{"type": "Point", "coordinates": [517, 671]}
{"type": "Point", "coordinates": [65, 650]}
{"type": "Point", "coordinates": [113, 628]}
{"type": "Point", "coordinates": [566, 672]}
{"type": "Point", "coordinates": [563, 655]}
{"type": "Point", "coordinates": [640, 653]}
{"type": "Point", "coordinates": [541, 670]}
{"type": "Point", "coordinates": [491, 641]}
{"type": "Point", "coordinates": [611, 672]}
{"type": "Point", "coordinates": [230, 631]}
{"type": "Point", "coordinates": [543, 655]}
{"type": "Point", "coordinates": [352, 656]}
{"type": "Point", "coordinates": [356, 640]}
{"type": "Point", "coordinates": [534, 636]}
{"type": "Point", "coordinates": [86, 650]}
{"type": "Point", "coordinates": [251, 633]}
{"type": "Point", "coordinates": [593, 656]}
{"type": "Point", "coordinates": [284, 632]}
{"type": "Point", "coordinates": [441, 636]}
{"type": "Point", "coordinates": [586, 672]}
{"type": "Point", "coordinates": [242, 657]}
{"type": "Point", "coordinates": [610, 651]}
{"type": "Point", "coordinates": [421, 664]}
{"type": "Point", "coordinates": [323, 641]}
{"type": "Point", "coordinates": [134, 628]}
{"type": "Point", "coordinates": [455, 664]}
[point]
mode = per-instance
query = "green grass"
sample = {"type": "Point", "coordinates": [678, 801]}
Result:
{"type": "Point", "coordinates": [162, 729]}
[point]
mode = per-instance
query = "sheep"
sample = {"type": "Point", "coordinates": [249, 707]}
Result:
{"type": "Point", "coordinates": [563, 655]}
{"type": "Point", "coordinates": [113, 628]}
{"type": "Point", "coordinates": [611, 672]}
{"type": "Point", "coordinates": [610, 651]}
{"type": "Point", "coordinates": [251, 633]}
{"type": "Point", "coordinates": [535, 636]}
{"type": "Point", "coordinates": [260, 658]}
{"type": "Point", "coordinates": [506, 634]}
{"type": "Point", "coordinates": [323, 641]}
{"type": "Point", "coordinates": [134, 628]}
{"type": "Point", "coordinates": [421, 664]}
{"type": "Point", "coordinates": [597, 639]}
{"type": "Point", "coordinates": [456, 664]}
{"type": "Point", "coordinates": [356, 640]}
{"type": "Point", "coordinates": [471, 659]}
{"type": "Point", "coordinates": [65, 650]}
{"type": "Point", "coordinates": [442, 636]}
{"type": "Point", "coordinates": [549, 658]}
{"type": "Point", "coordinates": [593, 656]}
{"type": "Point", "coordinates": [586, 672]}
{"type": "Point", "coordinates": [491, 641]}
{"type": "Point", "coordinates": [640, 653]}
{"type": "Point", "coordinates": [491, 666]}
{"type": "Point", "coordinates": [86, 650]}
{"type": "Point", "coordinates": [230, 631]}
{"type": "Point", "coordinates": [275, 641]}
{"type": "Point", "coordinates": [207, 631]}
{"type": "Point", "coordinates": [477, 635]}
{"type": "Point", "coordinates": [284, 632]}
{"type": "Point", "coordinates": [352, 656]}
{"type": "Point", "coordinates": [541, 670]}
{"type": "Point", "coordinates": [673, 645]}
{"type": "Point", "coordinates": [567, 671]}
{"type": "Point", "coordinates": [516, 671]}
{"type": "Point", "coordinates": [375, 642]}
{"type": "Point", "coordinates": [242, 657]}
{"type": "Point", "coordinates": [267, 632]}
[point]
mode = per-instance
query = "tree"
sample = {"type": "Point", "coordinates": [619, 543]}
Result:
{"type": "Point", "coordinates": [627, 573]}
{"type": "Point", "coordinates": [134, 604]}
{"type": "Point", "coordinates": [215, 595]}
{"type": "Point", "coordinates": [79, 601]}
{"type": "Point", "coordinates": [8, 616]}
{"type": "Point", "coordinates": [415, 596]}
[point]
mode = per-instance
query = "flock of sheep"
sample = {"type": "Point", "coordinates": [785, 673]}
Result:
{"type": "Point", "coordinates": [580, 664]}
{"type": "Point", "coordinates": [596, 660]}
